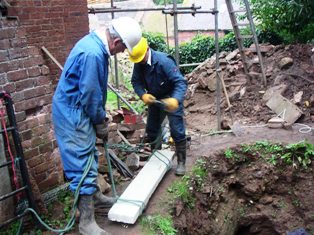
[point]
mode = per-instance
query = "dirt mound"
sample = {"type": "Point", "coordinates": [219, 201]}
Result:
{"type": "Point", "coordinates": [247, 191]}
{"type": "Point", "coordinates": [288, 69]}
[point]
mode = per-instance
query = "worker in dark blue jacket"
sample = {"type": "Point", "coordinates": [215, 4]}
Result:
{"type": "Point", "coordinates": [79, 115]}
{"type": "Point", "coordinates": [156, 77]}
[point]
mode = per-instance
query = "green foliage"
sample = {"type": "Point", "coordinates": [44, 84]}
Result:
{"type": "Point", "coordinates": [288, 18]}
{"type": "Point", "coordinates": [163, 2]}
{"type": "Point", "coordinates": [11, 229]}
{"type": "Point", "coordinates": [156, 41]}
{"type": "Point", "coordinates": [198, 49]}
{"type": "Point", "coordinates": [65, 198]}
{"type": "Point", "coordinates": [297, 153]}
{"type": "Point", "coordinates": [301, 152]}
{"type": "Point", "coordinates": [199, 173]}
{"type": "Point", "coordinates": [180, 189]}
{"type": "Point", "coordinates": [158, 224]}
{"type": "Point", "coordinates": [228, 42]}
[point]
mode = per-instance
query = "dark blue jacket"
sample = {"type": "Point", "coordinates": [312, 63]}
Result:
{"type": "Point", "coordinates": [162, 79]}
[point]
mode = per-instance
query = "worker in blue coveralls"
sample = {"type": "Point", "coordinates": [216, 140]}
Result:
{"type": "Point", "coordinates": [156, 77]}
{"type": "Point", "coordinates": [79, 114]}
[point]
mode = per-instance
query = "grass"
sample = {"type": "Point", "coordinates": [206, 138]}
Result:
{"type": "Point", "coordinates": [158, 224]}
{"type": "Point", "coordinates": [295, 154]}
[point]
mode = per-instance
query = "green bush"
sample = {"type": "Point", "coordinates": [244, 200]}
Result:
{"type": "Point", "coordinates": [199, 49]}
{"type": "Point", "coordinates": [156, 41]}
{"type": "Point", "coordinates": [291, 19]}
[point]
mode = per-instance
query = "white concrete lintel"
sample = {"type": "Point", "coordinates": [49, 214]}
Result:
{"type": "Point", "coordinates": [134, 199]}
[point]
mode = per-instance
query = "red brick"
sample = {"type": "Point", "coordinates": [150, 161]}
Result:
{"type": "Point", "coordinates": [17, 75]}
{"type": "Point", "coordinates": [8, 88]}
{"type": "Point", "coordinates": [49, 183]}
{"type": "Point", "coordinates": [44, 119]}
{"type": "Point", "coordinates": [44, 70]}
{"type": "Point", "coordinates": [7, 33]}
{"type": "Point", "coordinates": [33, 72]}
{"type": "Point", "coordinates": [41, 168]}
{"type": "Point", "coordinates": [20, 116]}
{"type": "Point", "coordinates": [17, 96]}
{"type": "Point", "coordinates": [26, 135]}
{"type": "Point", "coordinates": [19, 42]}
{"type": "Point", "coordinates": [34, 92]}
{"type": "Point", "coordinates": [35, 161]}
{"type": "Point", "coordinates": [16, 53]}
{"type": "Point", "coordinates": [36, 141]}
{"type": "Point", "coordinates": [4, 56]}
{"type": "Point", "coordinates": [28, 154]}
{"type": "Point", "coordinates": [45, 148]}
{"type": "Point", "coordinates": [40, 130]}
{"type": "Point", "coordinates": [24, 84]}
{"type": "Point", "coordinates": [3, 78]}
{"type": "Point", "coordinates": [4, 44]}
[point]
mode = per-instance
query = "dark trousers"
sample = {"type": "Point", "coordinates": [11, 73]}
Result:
{"type": "Point", "coordinates": [156, 116]}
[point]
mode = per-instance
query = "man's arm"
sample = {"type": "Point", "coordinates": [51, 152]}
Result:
{"type": "Point", "coordinates": [176, 78]}
{"type": "Point", "coordinates": [137, 81]}
{"type": "Point", "coordinates": [92, 82]}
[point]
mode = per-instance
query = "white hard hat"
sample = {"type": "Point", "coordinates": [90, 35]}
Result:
{"type": "Point", "coordinates": [129, 31]}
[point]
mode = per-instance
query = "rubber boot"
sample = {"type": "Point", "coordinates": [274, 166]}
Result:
{"type": "Point", "coordinates": [88, 225]}
{"type": "Point", "coordinates": [102, 200]}
{"type": "Point", "coordinates": [181, 157]}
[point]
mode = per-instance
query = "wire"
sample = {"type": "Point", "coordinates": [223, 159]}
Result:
{"type": "Point", "coordinates": [305, 129]}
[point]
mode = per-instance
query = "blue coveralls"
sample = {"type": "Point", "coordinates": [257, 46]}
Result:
{"type": "Point", "coordinates": [163, 80]}
{"type": "Point", "coordinates": [78, 104]}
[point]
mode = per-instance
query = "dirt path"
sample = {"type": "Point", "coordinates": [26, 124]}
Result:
{"type": "Point", "coordinates": [200, 146]}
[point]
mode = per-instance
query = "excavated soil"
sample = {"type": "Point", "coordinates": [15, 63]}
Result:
{"type": "Point", "coordinates": [248, 196]}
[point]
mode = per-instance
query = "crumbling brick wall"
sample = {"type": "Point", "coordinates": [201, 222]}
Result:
{"type": "Point", "coordinates": [30, 76]}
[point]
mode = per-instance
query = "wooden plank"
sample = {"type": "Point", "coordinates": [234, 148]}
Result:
{"type": "Point", "coordinates": [134, 199]}
{"type": "Point", "coordinates": [284, 108]}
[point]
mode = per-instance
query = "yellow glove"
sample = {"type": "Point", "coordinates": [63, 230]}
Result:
{"type": "Point", "coordinates": [148, 99]}
{"type": "Point", "coordinates": [171, 104]}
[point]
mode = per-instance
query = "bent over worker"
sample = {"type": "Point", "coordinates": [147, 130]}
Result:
{"type": "Point", "coordinates": [157, 77]}
{"type": "Point", "coordinates": [79, 114]}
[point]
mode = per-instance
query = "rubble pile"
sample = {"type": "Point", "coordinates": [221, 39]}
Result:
{"type": "Point", "coordinates": [289, 75]}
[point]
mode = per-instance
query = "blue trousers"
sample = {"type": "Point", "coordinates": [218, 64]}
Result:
{"type": "Point", "coordinates": [157, 114]}
{"type": "Point", "coordinates": [76, 139]}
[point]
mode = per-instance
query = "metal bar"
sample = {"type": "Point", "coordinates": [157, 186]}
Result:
{"type": "Point", "coordinates": [6, 164]}
{"type": "Point", "coordinates": [175, 31]}
{"type": "Point", "coordinates": [3, 197]}
{"type": "Point", "coordinates": [116, 75]}
{"type": "Point", "coordinates": [189, 65]}
{"type": "Point", "coordinates": [7, 129]}
{"type": "Point", "coordinates": [171, 12]}
{"type": "Point", "coordinates": [118, 94]}
{"type": "Point", "coordinates": [115, 9]}
{"type": "Point", "coordinates": [218, 90]}
{"type": "Point", "coordinates": [12, 220]}
{"type": "Point", "coordinates": [19, 152]}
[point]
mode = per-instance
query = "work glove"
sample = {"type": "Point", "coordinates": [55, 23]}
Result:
{"type": "Point", "coordinates": [148, 99]}
{"type": "Point", "coordinates": [102, 129]}
{"type": "Point", "coordinates": [171, 104]}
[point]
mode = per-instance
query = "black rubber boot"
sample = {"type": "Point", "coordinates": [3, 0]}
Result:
{"type": "Point", "coordinates": [181, 157]}
{"type": "Point", "coordinates": [103, 201]}
{"type": "Point", "coordinates": [88, 225]}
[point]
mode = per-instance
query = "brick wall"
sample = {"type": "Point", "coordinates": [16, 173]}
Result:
{"type": "Point", "coordinates": [30, 76]}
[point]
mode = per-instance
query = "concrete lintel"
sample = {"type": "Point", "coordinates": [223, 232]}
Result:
{"type": "Point", "coordinates": [134, 199]}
